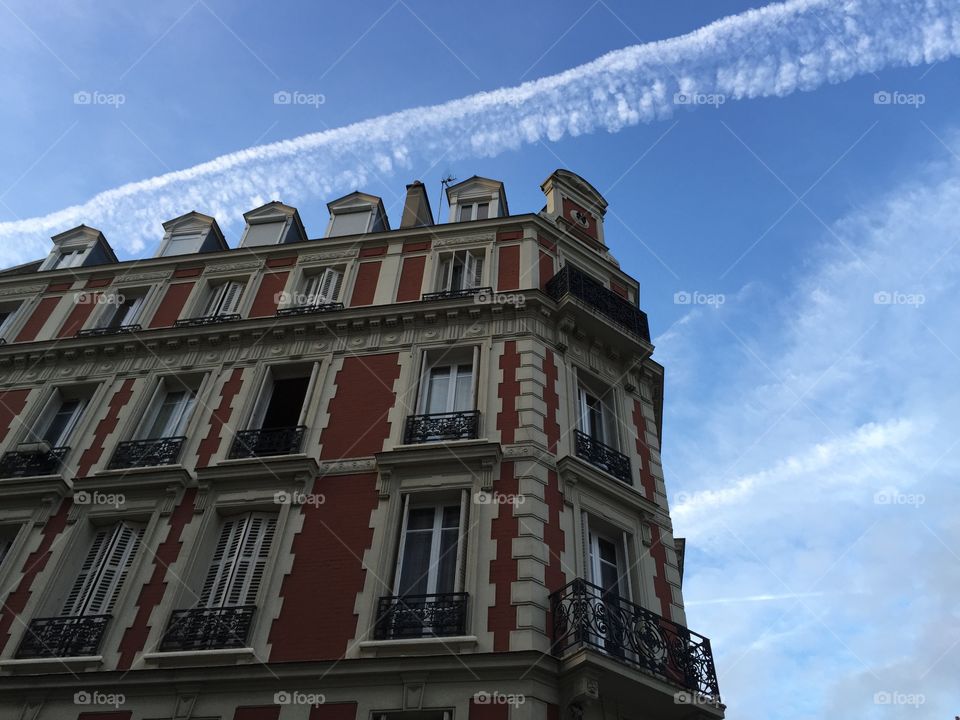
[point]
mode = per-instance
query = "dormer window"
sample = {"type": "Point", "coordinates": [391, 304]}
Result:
{"type": "Point", "coordinates": [272, 224]}
{"type": "Point", "coordinates": [183, 244]}
{"type": "Point", "coordinates": [189, 234]}
{"type": "Point", "coordinates": [351, 223]}
{"type": "Point", "coordinates": [356, 214]}
{"type": "Point", "coordinates": [477, 199]}
{"type": "Point", "coordinates": [474, 211]}
{"type": "Point", "coordinates": [80, 247]}
{"type": "Point", "coordinates": [69, 258]}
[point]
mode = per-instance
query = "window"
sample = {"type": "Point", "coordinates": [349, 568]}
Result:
{"type": "Point", "coordinates": [351, 223]}
{"type": "Point", "coordinates": [104, 570]}
{"type": "Point", "coordinates": [461, 270]}
{"type": "Point", "coordinates": [60, 418]}
{"type": "Point", "coordinates": [609, 571]}
{"type": "Point", "coordinates": [239, 561]}
{"type": "Point", "coordinates": [69, 258]}
{"type": "Point", "coordinates": [223, 298]}
{"type": "Point", "coordinates": [8, 315]}
{"type": "Point", "coordinates": [321, 288]}
{"type": "Point", "coordinates": [123, 312]}
{"type": "Point", "coordinates": [597, 414]}
{"type": "Point", "coordinates": [282, 398]}
{"type": "Point", "coordinates": [169, 411]}
{"type": "Point", "coordinates": [449, 382]}
{"type": "Point", "coordinates": [482, 210]}
{"type": "Point", "coordinates": [465, 212]}
{"type": "Point", "coordinates": [430, 557]}
{"type": "Point", "coordinates": [184, 244]}
{"type": "Point", "coordinates": [7, 535]}
{"type": "Point", "coordinates": [263, 233]}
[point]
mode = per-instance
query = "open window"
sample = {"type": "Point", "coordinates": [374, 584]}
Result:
{"type": "Point", "coordinates": [104, 570]}
{"type": "Point", "coordinates": [60, 417]}
{"type": "Point", "coordinates": [446, 399]}
{"type": "Point", "coordinates": [459, 271]}
{"type": "Point", "coordinates": [223, 299]}
{"type": "Point", "coordinates": [278, 422]}
{"type": "Point", "coordinates": [124, 311]}
{"type": "Point", "coordinates": [9, 311]}
{"type": "Point", "coordinates": [597, 411]}
{"type": "Point", "coordinates": [8, 533]}
{"type": "Point", "coordinates": [608, 570]}
{"type": "Point", "coordinates": [321, 287]}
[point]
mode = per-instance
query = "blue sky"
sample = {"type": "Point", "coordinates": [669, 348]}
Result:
{"type": "Point", "coordinates": [793, 410]}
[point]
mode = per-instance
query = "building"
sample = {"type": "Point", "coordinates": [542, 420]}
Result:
{"type": "Point", "coordinates": [390, 474]}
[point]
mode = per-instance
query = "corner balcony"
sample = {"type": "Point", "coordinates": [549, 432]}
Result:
{"type": "Point", "coordinates": [310, 309]}
{"type": "Point", "coordinates": [421, 616]}
{"type": "Point", "coordinates": [602, 456]}
{"type": "Point", "coordinates": [219, 628]}
{"type": "Point", "coordinates": [102, 332]}
{"type": "Point", "coordinates": [32, 460]}
{"type": "Point", "coordinates": [442, 426]}
{"type": "Point", "coordinates": [206, 320]}
{"type": "Point", "coordinates": [584, 616]}
{"type": "Point", "coordinates": [573, 282]}
{"type": "Point", "coordinates": [452, 294]}
{"type": "Point", "coordinates": [267, 442]}
{"type": "Point", "coordinates": [63, 637]}
{"type": "Point", "coordinates": [147, 453]}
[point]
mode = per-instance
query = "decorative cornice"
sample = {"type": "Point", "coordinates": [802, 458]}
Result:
{"type": "Point", "coordinates": [327, 256]}
{"type": "Point", "coordinates": [232, 267]}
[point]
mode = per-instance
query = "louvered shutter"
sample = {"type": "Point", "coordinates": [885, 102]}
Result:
{"type": "Point", "coordinates": [473, 271]}
{"type": "Point", "coordinates": [311, 291]}
{"type": "Point", "coordinates": [239, 561]}
{"type": "Point", "coordinates": [87, 575]}
{"type": "Point", "coordinates": [221, 565]}
{"type": "Point", "coordinates": [446, 274]}
{"type": "Point", "coordinates": [103, 571]}
{"type": "Point", "coordinates": [231, 298]}
{"type": "Point", "coordinates": [330, 286]}
{"type": "Point", "coordinates": [214, 303]}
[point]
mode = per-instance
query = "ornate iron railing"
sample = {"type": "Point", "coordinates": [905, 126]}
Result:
{"type": "Point", "coordinates": [119, 330]}
{"type": "Point", "coordinates": [310, 309]}
{"type": "Point", "coordinates": [464, 292]}
{"type": "Point", "coordinates": [574, 282]}
{"type": "Point", "coordinates": [418, 616]}
{"type": "Point", "coordinates": [585, 615]}
{"type": "Point", "coordinates": [265, 442]}
{"type": "Point", "coordinates": [208, 628]}
{"type": "Point", "coordinates": [29, 464]}
{"type": "Point", "coordinates": [61, 637]}
{"type": "Point", "coordinates": [442, 426]}
{"type": "Point", "coordinates": [602, 456]}
{"type": "Point", "coordinates": [147, 453]}
{"type": "Point", "coordinates": [206, 320]}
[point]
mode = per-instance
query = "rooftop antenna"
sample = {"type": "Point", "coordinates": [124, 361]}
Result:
{"type": "Point", "coordinates": [444, 184]}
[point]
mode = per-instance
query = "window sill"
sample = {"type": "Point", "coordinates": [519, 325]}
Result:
{"type": "Point", "coordinates": [188, 658]}
{"type": "Point", "coordinates": [34, 485]}
{"type": "Point", "coordinates": [418, 646]}
{"type": "Point", "coordinates": [35, 666]}
{"type": "Point", "coordinates": [152, 476]}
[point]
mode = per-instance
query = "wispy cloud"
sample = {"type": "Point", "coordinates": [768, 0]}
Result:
{"type": "Point", "coordinates": [772, 51]}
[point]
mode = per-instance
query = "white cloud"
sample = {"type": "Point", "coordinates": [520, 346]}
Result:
{"type": "Point", "coordinates": [771, 51]}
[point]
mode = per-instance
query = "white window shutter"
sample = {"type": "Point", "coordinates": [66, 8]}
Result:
{"type": "Point", "coordinates": [103, 571]}
{"type": "Point", "coordinates": [213, 303]}
{"type": "Point", "coordinates": [87, 575]}
{"type": "Point", "coordinates": [221, 565]}
{"type": "Point", "coordinates": [239, 561]}
{"type": "Point", "coordinates": [332, 280]}
{"type": "Point", "coordinates": [446, 274]}
{"type": "Point", "coordinates": [312, 290]}
{"type": "Point", "coordinates": [475, 275]}
{"type": "Point", "coordinates": [231, 298]}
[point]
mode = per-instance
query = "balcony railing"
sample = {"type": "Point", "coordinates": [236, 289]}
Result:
{"type": "Point", "coordinates": [32, 463]}
{"type": "Point", "coordinates": [147, 453]}
{"type": "Point", "coordinates": [62, 637]}
{"type": "Point", "coordinates": [208, 628]}
{"type": "Point", "coordinates": [442, 426]}
{"type": "Point", "coordinates": [464, 292]}
{"type": "Point", "coordinates": [419, 616]}
{"type": "Point", "coordinates": [119, 330]}
{"type": "Point", "coordinates": [206, 320]}
{"type": "Point", "coordinates": [602, 456]}
{"type": "Point", "coordinates": [585, 615]}
{"type": "Point", "coordinates": [265, 442]}
{"type": "Point", "coordinates": [310, 309]}
{"type": "Point", "coordinates": [583, 287]}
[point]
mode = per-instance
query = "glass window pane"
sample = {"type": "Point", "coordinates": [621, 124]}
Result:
{"type": "Point", "coordinates": [416, 563]}
{"type": "Point", "coordinates": [447, 564]}
{"type": "Point", "coordinates": [420, 519]}
{"type": "Point", "coordinates": [451, 517]}
{"type": "Point", "coordinates": [482, 210]}
{"type": "Point", "coordinates": [60, 421]}
{"type": "Point", "coordinates": [437, 390]}
{"type": "Point", "coordinates": [465, 212]}
{"type": "Point", "coordinates": [463, 399]}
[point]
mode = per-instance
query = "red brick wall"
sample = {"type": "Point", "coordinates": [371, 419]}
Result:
{"type": "Point", "coordinates": [365, 288]}
{"type": "Point", "coordinates": [647, 481]}
{"type": "Point", "coordinates": [660, 585]}
{"type": "Point", "coordinates": [546, 268]}
{"type": "Point", "coordinates": [618, 289]}
{"type": "Point", "coordinates": [79, 315]}
{"type": "Point", "coordinates": [135, 637]}
{"type": "Point", "coordinates": [12, 403]}
{"type": "Point", "coordinates": [502, 617]}
{"type": "Point", "coordinates": [41, 314]}
{"type": "Point", "coordinates": [115, 715]}
{"type": "Point", "coordinates": [268, 294]}
{"type": "Point", "coordinates": [508, 268]}
{"type": "Point", "coordinates": [358, 412]}
{"type": "Point", "coordinates": [92, 454]}
{"type": "Point", "coordinates": [262, 712]}
{"type": "Point", "coordinates": [489, 711]}
{"type": "Point", "coordinates": [411, 278]}
{"type": "Point", "coordinates": [334, 711]}
{"type": "Point", "coordinates": [220, 417]}
{"type": "Point", "coordinates": [36, 561]}
{"type": "Point", "coordinates": [172, 305]}
{"type": "Point", "coordinates": [508, 391]}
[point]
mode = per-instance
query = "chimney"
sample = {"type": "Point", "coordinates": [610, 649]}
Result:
{"type": "Point", "coordinates": [416, 208]}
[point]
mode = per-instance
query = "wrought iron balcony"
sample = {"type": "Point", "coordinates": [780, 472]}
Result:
{"type": "Point", "coordinates": [22, 463]}
{"type": "Point", "coordinates": [265, 442]}
{"type": "Point", "coordinates": [420, 616]}
{"type": "Point", "coordinates": [602, 456]}
{"type": "Point", "coordinates": [585, 615]}
{"type": "Point", "coordinates": [99, 332]}
{"type": "Point", "coordinates": [463, 292]}
{"type": "Point", "coordinates": [147, 453]}
{"type": "Point", "coordinates": [206, 320]}
{"type": "Point", "coordinates": [61, 637]}
{"type": "Point", "coordinates": [570, 281]}
{"type": "Point", "coordinates": [310, 309]}
{"type": "Point", "coordinates": [442, 426]}
{"type": "Point", "coordinates": [208, 628]}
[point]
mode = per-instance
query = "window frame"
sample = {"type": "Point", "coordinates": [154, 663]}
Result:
{"type": "Point", "coordinates": [155, 405]}
{"type": "Point", "coordinates": [260, 566]}
{"type": "Point", "coordinates": [81, 599]}
{"type": "Point", "coordinates": [50, 410]}
{"type": "Point", "coordinates": [444, 360]}
{"type": "Point", "coordinates": [587, 383]}
{"type": "Point", "coordinates": [438, 505]}
{"type": "Point", "coordinates": [215, 293]}
{"type": "Point", "coordinates": [471, 277]}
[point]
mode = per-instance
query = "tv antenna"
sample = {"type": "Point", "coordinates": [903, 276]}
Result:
{"type": "Point", "coordinates": [444, 184]}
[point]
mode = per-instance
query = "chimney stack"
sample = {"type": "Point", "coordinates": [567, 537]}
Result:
{"type": "Point", "coordinates": [416, 208]}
